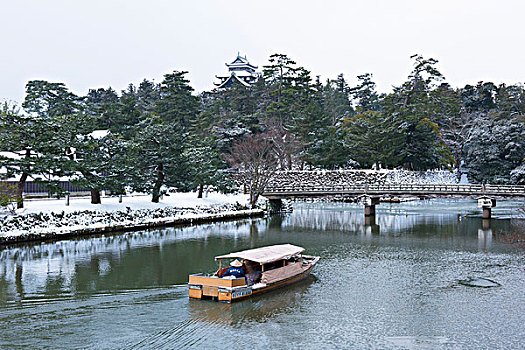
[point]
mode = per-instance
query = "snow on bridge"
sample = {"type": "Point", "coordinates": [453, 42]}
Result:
{"type": "Point", "coordinates": [383, 182]}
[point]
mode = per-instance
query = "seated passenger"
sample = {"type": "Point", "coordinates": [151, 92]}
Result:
{"type": "Point", "coordinates": [235, 269]}
{"type": "Point", "coordinates": [253, 278]}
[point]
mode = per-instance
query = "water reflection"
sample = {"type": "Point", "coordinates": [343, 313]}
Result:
{"type": "Point", "coordinates": [383, 281]}
{"type": "Point", "coordinates": [371, 228]}
{"type": "Point", "coordinates": [142, 259]}
{"type": "Point", "coordinates": [258, 308]}
{"type": "Point", "coordinates": [107, 263]}
{"type": "Point", "coordinates": [485, 236]}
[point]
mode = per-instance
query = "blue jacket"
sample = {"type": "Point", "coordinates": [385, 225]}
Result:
{"type": "Point", "coordinates": [234, 271]}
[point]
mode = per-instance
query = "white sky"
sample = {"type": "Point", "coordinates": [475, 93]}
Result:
{"type": "Point", "coordinates": [100, 43]}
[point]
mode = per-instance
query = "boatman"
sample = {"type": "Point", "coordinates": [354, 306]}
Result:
{"type": "Point", "coordinates": [235, 269]}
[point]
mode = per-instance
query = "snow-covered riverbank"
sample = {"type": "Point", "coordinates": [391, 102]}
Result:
{"type": "Point", "coordinates": [51, 218]}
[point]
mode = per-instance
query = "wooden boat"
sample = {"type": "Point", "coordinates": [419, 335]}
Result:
{"type": "Point", "coordinates": [266, 268]}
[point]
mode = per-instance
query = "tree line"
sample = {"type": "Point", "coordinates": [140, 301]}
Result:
{"type": "Point", "coordinates": [163, 135]}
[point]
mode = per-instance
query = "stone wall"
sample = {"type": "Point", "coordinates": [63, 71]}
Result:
{"type": "Point", "coordinates": [378, 177]}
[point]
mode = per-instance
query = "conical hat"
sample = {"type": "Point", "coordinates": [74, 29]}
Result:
{"type": "Point", "coordinates": [236, 263]}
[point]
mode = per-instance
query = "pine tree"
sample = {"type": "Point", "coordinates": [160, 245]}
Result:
{"type": "Point", "coordinates": [410, 114]}
{"type": "Point", "coordinates": [161, 142]}
{"type": "Point", "coordinates": [32, 141]}
{"type": "Point", "coordinates": [495, 150]}
{"type": "Point", "coordinates": [159, 157]}
{"type": "Point", "coordinates": [289, 90]}
{"type": "Point", "coordinates": [47, 99]}
{"type": "Point", "coordinates": [202, 151]}
{"type": "Point", "coordinates": [130, 113]}
{"type": "Point", "coordinates": [368, 138]}
{"type": "Point", "coordinates": [336, 100]}
{"type": "Point", "coordinates": [177, 104]}
{"type": "Point", "coordinates": [103, 105]}
{"type": "Point", "coordinates": [101, 162]}
{"type": "Point", "coordinates": [36, 136]}
{"type": "Point", "coordinates": [365, 95]}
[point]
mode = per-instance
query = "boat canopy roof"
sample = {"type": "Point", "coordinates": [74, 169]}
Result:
{"type": "Point", "coordinates": [265, 254]}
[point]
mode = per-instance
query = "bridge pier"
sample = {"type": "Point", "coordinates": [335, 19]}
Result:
{"type": "Point", "coordinates": [275, 205]}
{"type": "Point", "coordinates": [370, 204]}
{"type": "Point", "coordinates": [370, 225]}
{"type": "Point", "coordinates": [487, 204]}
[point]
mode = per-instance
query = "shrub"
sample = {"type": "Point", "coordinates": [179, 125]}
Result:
{"type": "Point", "coordinates": [7, 196]}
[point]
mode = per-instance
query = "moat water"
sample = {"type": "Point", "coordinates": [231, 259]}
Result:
{"type": "Point", "coordinates": [422, 275]}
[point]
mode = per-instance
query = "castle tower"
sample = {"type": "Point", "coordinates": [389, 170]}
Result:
{"type": "Point", "coordinates": [240, 71]}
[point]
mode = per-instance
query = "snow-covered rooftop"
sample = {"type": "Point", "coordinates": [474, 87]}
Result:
{"type": "Point", "coordinates": [98, 134]}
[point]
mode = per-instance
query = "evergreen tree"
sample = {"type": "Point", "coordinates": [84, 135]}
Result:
{"type": "Point", "coordinates": [369, 139]}
{"type": "Point", "coordinates": [479, 98]}
{"type": "Point", "coordinates": [147, 96]}
{"type": "Point", "coordinates": [130, 113]}
{"type": "Point", "coordinates": [226, 120]}
{"type": "Point", "coordinates": [47, 99]}
{"type": "Point", "coordinates": [495, 149]}
{"type": "Point", "coordinates": [311, 128]}
{"type": "Point", "coordinates": [101, 162]}
{"type": "Point", "coordinates": [177, 105]}
{"type": "Point", "coordinates": [410, 113]}
{"type": "Point", "coordinates": [331, 151]}
{"type": "Point", "coordinates": [103, 105]}
{"type": "Point", "coordinates": [289, 88]}
{"type": "Point", "coordinates": [37, 136]}
{"type": "Point", "coordinates": [29, 139]}
{"type": "Point", "coordinates": [161, 141]}
{"type": "Point", "coordinates": [202, 151]}
{"type": "Point", "coordinates": [159, 157]}
{"type": "Point", "coordinates": [365, 94]}
{"type": "Point", "coordinates": [289, 92]}
{"type": "Point", "coordinates": [455, 123]}
{"type": "Point", "coordinates": [336, 100]}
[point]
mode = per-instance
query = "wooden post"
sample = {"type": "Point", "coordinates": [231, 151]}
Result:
{"type": "Point", "coordinates": [370, 225]}
{"type": "Point", "coordinates": [67, 200]}
{"type": "Point", "coordinates": [370, 204]}
{"type": "Point", "coordinates": [487, 204]}
{"type": "Point", "coordinates": [120, 198]}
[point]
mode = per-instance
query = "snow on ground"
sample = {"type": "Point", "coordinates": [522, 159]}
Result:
{"type": "Point", "coordinates": [52, 217]}
{"type": "Point", "coordinates": [174, 200]}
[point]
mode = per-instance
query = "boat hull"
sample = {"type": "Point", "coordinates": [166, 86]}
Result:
{"type": "Point", "coordinates": [228, 294]}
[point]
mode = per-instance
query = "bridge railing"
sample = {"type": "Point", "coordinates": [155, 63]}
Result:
{"type": "Point", "coordinates": [505, 189]}
{"type": "Point", "coordinates": [399, 188]}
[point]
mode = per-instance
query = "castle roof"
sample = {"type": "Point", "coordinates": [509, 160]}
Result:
{"type": "Point", "coordinates": [232, 79]}
{"type": "Point", "coordinates": [239, 62]}
{"type": "Point", "coordinates": [239, 71]}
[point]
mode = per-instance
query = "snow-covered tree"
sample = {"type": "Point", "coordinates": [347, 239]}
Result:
{"type": "Point", "coordinates": [101, 162]}
{"type": "Point", "coordinates": [158, 157]}
{"type": "Point", "coordinates": [496, 148]}
{"type": "Point", "coordinates": [31, 147]}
